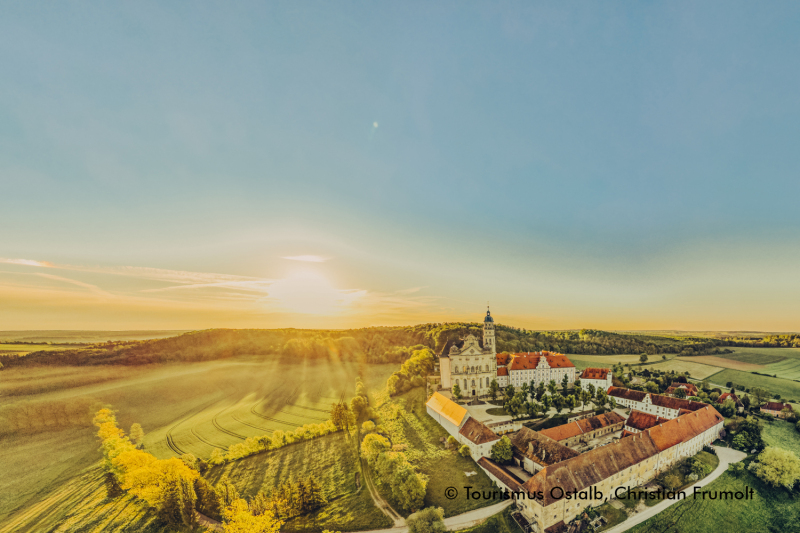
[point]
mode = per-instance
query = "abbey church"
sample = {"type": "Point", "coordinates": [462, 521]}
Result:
{"type": "Point", "coordinates": [473, 363]}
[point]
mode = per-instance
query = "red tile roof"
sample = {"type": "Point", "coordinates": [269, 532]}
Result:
{"type": "Point", "coordinates": [503, 358]}
{"type": "Point", "coordinates": [594, 466]}
{"type": "Point", "coordinates": [502, 371]}
{"type": "Point", "coordinates": [684, 427]}
{"type": "Point", "coordinates": [641, 421]}
{"type": "Point", "coordinates": [580, 427]}
{"type": "Point", "coordinates": [539, 448]}
{"type": "Point", "coordinates": [477, 433]}
{"type": "Point", "coordinates": [530, 360]}
{"type": "Point", "coordinates": [727, 395]}
{"type": "Point", "coordinates": [595, 373]}
{"type": "Point", "coordinates": [510, 480]}
{"type": "Point", "coordinates": [627, 394]}
{"type": "Point", "coordinates": [691, 389]}
{"type": "Point", "coordinates": [776, 406]}
{"type": "Point", "coordinates": [675, 403]}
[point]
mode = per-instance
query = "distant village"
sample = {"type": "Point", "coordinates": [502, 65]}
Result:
{"type": "Point", "coordinates": [593, 455]}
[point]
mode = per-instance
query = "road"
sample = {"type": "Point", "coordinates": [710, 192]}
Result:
{"type": "Point", "coordinates": [726, 457]}
{"type": "Point", "coordinates": [461, 521]}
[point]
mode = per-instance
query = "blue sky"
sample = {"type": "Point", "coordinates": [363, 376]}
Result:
{"type": "Point", "coordinates": [606, 165]}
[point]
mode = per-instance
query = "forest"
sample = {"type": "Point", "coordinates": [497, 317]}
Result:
{"type": "Point", "coordinates": [375, 344]}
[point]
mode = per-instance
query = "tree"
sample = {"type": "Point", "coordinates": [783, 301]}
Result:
{"type": "Point", "coordinates": [651, 387]}
{"type": "Point", "coordinates": [510, 391]}
{"type": "Point", "coordinates": [501, 451]}
{"type": "Point", "coordinates": [524, 389]}
{"type": "Point", "coordinates": [565, 386]}
{"type": "Point", "coordinates": [408, 487]}
{"type": "Point", "coordinates": [602, 397]}
{"type": "Point", "coordinates": [428, 520]}
{"type": "Point", "coordinates": [559, 403]}
{"type": "Point", "coordinates": [679, 393]}
{"type": "Point", "coordinates": [571, 402]}
{"type": "Point", "coordinates": [643, 358]}
{"type": "Point", "coordinates": [226, 491]}
{"type": "Point", "coordinates": [663, 357]}
{"type": "Point", "coordinates": [540, 391]}
{"type": "Point", "coordinates": [451, 442]}
{"type": "Point", "coordinates": [547, 401]}
{"type": "Point", "coordinates": [585, 397]}
{"type": "Point", "coordinates": [728, 408]}
{"type": "Point", "coordinates": [591, 390]}
{"type": "Point", "coordinates": [136, 435]}
{"type": "Point", "coordinates": [341, 416]}
{"type": "Point", "coordinates": [464, 451]}
{"type": "Point", "coordinates": [208, 501]}
{"type": "Point", "coordinates": [778, 467]}
{"type": "Point", "coordinates": [746, 402]}
{"type": "Point", "coordinates": [372, 446]}
{"type": "Point", "coordinates": [761, 395]}
{"type": "Point", "coordinates": [456, 391]}
{"type": "Point", "coordinates": [552, 387]}
{"type": "Point", "coordinates": [239, 519]}
{"type": "Point", "coordinates": [368, 426]}
{"type": "Point", "coordinates": [493, 389]}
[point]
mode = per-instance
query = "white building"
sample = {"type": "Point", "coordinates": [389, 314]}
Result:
{"type": "Point", "coordinates": [601, 378]}
{"type": "Point", "coordinates": [448, 413]}
{"type": "Point", "coordinates": [470, 362]}
{"type": "Point", "coordinates": [654, 404]}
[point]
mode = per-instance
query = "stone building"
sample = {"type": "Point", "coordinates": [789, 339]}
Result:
{"type": "Point", "coordinates": [582, 431]}
{"type": "Point", "coordinates": [655, 404]}
{"type": "Point", "coordinates": [470, 362]}
{"type": "Point", "coordinates": [601, 378]}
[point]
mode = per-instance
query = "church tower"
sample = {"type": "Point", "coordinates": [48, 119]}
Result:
{"type": "Point", "coordinates": [488, 332]}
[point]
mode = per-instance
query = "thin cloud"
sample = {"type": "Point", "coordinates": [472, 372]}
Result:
{"type": "Point", "coordinates": [307, 258]}
{"type": "Point", "coordinates": [26, 262]}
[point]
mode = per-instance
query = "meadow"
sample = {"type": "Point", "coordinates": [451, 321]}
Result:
{"type": "Point", "coordinates": [788, 389]}
{"type": "Point", "coordinates": [408, 424]}
{"type": "Point", "coordinates": [333, 461]}
{"type": "Point", "coordinates": [770, 511]}
{"type": "Point", "coordinates": [783, 435]}
{"type": "Point", "coordinates": [183, 408]}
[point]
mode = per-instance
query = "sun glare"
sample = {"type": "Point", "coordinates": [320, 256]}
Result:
{"type": "Point", "coordinates": [310, 293]}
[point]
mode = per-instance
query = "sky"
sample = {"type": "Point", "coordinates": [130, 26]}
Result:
{"type": "Point", "coordinates": [607, 165]}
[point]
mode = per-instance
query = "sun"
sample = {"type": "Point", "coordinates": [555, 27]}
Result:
{"type": "Point", "coordinates": [311, 293]}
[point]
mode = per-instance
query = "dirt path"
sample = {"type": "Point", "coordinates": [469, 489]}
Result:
{"type": "Point", "coordinates": [380, 503]}
{"type": "Point", "coordinates": [462, 521]}
{"type": "Point", "coordinates": [208, 522]}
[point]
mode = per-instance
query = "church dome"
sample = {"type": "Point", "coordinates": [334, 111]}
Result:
{"type": "Point", "coordinates": [488, 317]}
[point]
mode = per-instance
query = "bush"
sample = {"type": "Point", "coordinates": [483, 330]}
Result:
{"type": "Point", "coordinates": [465, 451]}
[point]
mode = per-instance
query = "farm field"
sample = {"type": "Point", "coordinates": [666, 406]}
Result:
{"type": "Point", "coordinates": [81, 504]}
{"type": "Point", "coordinates": [771, 510]}
{"type": "Point", "coordinates": [199, 406]}
{"type": "Point", "coordinates": [17, 350]}
{"type": "Point", "coordinates": [727, 363]}
{"type": "Point", "coordinates": [684, 364]}
{"type": "Point", "coordinates": [84, 336]}
{"type": "Point", "coordinates": [331, 460]}
{"type": "Point", "coordinates": [610, 360]}
{"type": "Point", "coordinates": [783, 435]}
{"type": "Point", "coordinates": [788, 389]}
{"type": "Point", "coordinates": [783, 362]}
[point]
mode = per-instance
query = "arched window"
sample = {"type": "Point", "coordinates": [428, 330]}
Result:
{"type": "Point", "coordinates": [465, 384]}
{"type": "Point", "coordinates": [473, 382]}
{"type": "Point", "coordinates": [487, 368]}
{"type": "Point", "coordinates": [472, 369]}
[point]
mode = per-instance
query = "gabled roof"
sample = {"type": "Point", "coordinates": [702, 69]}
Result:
{"type": "Point", "coordinates": [503, 358]}
{"type": "Point", "coordinates": [539, 448]}
{"type": "Point", "coordinates": [530, 360]}
{"type": "Point", "coordinates": [627, 394]}
{"type": "Point", "coordinates": [596, 373]}
{"type": "Point", "coordinates": [776, 406]}
{"type": "Point", "coordinates": [580, 427]}
{"type": "Point", "coordinates": [502, 371]}
{"type": "Point", "coordinates": [587, 469]}
{"type": "Point", "coordinates": [684, 427]}
{"type": "Point", "coordinates": [675, 403]}
{"type": "Point", "coordinates": [447, 408]}
{"type": "Point", "coordinates": [641, 421]}
{"type": "Point", "coordinates": [691, 389]}
{"type": "Point", "coordinates": [477, 433]}
{"type": "Point", "coordinates": [727, 395]}
{"type": "Point", "coordinates": [459, 344]}
{"type": "Point", "coordinates": [507, 478]}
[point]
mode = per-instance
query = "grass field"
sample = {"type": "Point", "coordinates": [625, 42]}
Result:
{"type": "Point", "coordinates": [332, 461]}
{"type": "Point", "coordinates": [407, 421]}
{"type": "Point", "coordinates": [788, 389]}
{"type": "Point", "coordinates": [84, 336]}
{"type": "Point", "coordinates": [684, 364]}
{"type": "Point", "coordinates": [16, 350]}
{"type": "Point", "coordinates": [771, 510]}
{"type": "Point", "coordinates": [499, 523]}
{"type": "Point", "coordinates": [783, 362]}
{"type": "Point", "coordinates": [183, 408]}
{"type": "Point", "coordinates": [783, 435]}
{"type": "Point", "coordinates": [727, 363]}
{"type": "Point", "coordinates": [80, 504]}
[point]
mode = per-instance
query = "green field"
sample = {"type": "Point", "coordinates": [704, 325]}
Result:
{"type": "Point", "coordinates": [199, 406]}
{"type": "Point", "coordinates": [783, 435]}
{"type": "Point", "coordinates": [783, 362]}
{"type": "Point", "coordinates": [331, 460]}
{"type": "Point", "coordinates": [680, 365]}
{"type": "Point", "coordinates": [771, 510]}
{"type": "Point", "coordinates": [788, 389]}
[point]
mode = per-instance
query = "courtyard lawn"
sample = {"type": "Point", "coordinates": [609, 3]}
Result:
{"type": "Point", "coordinates": [406, 421]}
{"type": "Point", "coordinates": [612, 515]}
{"type": "Point", "coordinates": [782, 435]}
{"type": "Point", "coordinates": [332, 461]}
{"type": "Point", "coordinates": [771, 510]}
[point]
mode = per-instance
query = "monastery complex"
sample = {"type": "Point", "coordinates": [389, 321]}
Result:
{"type": "Point", "coordinates": [646, 436]}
